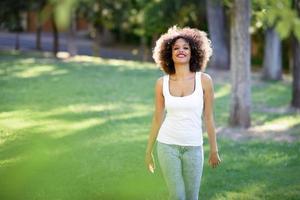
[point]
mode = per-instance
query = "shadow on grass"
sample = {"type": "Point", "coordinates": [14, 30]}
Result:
{"type": "Point", "coordinates": [42, 84]}
{"type": "Point", "coordinates": [88, 165]}
{"type": "Point", "coordinates": [254, 170]}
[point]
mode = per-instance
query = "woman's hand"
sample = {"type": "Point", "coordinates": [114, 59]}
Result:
{"type": "Point", "coordinates": [214, 159]}
{"type": "Point", "coordinates": [149, 160]}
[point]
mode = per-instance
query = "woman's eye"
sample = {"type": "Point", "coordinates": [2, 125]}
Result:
{"type": "Point", "coordinates": [177, 48]}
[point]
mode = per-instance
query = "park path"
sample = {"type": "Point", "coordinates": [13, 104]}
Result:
{"type": "Point", "coordinates": [84, 45]}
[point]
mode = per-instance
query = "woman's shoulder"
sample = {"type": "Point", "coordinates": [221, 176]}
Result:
{"type": "Point", "coordinates": [159, 85]}
{"type": "Point", "coordinates": [159, 81]}
{"type": "Point", "coordinates": [205, 76]}
{"type": "Point", "coordinates": [206, 80]}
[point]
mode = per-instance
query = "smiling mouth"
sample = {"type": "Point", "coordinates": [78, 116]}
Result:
{"type": "Point", "coordinates": [180, 56]}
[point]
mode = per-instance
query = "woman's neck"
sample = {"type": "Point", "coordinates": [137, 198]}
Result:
{"type": "Point", "coordinates": [182, 72]}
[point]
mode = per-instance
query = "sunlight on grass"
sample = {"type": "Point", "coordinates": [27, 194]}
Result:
{"type": "Point", "coordinates": [49, 122]}
{"type": "Point", "coordinates": [28, 60]}
{"type": "Point", "coordinates": [223, 91]}
{"type": "Point", "coordinates": [271, 158]}
{"type": "Point", "coordinates": [128, 115]}
{"type": "Point", "coordinates": [78, 108]}
{"type": "Point", "coordinates": [83, 58]}
{"type": "Point", "coordinates": [126, 64]}
{"type": "Point", "coordinates": [271, 94]}
{"type": "Point", "coordinates": [279, 124]}
{"type": "Point", "coordinates": [248, 192]}
{"type": "Point", "coordinates": [15, 120]}
{"type": "Point", "coordinates": [38, 71]}
{"type": "Point", "coordinates": [60, 128]}
{"type": "Point", "coordinates": [10, 161]}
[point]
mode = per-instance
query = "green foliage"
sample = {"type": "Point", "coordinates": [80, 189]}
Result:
{"type": "Point", "coordinates": [10, 14]}
{"type": "Point", "coordinates": [155, 13]}
{"type": "Point", "coordinates": [63, 10]}
{"type": "Point", "coordinates": [36, 5]}
{"type": "Point", "coordinates": [278, 14]}
{"type": "Point", "coordinates": [182, 13]}
{"type": "Point", "coordinates": [138, 17]}
{"type": "Point", "coordinates": [297, 28]}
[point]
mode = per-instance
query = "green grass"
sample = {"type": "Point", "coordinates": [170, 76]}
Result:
{"type": "Point", "coordinates": [78, 130]}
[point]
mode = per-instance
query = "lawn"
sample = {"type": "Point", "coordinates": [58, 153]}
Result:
{"type": "Point", "coordinates": [75, 130]}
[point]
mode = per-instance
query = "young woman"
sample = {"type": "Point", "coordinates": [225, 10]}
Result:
{"type": "Point", "coordinates": [185, 93]}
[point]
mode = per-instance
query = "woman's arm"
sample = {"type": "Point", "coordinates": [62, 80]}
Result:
{"type": "Point", "coordinates": [156, 123]}
{"type": "Point", "coordinates": [208, 89]}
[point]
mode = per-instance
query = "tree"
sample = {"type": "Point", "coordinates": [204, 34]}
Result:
{"type": "Point", "coordinates": [55, 35]}
{"type": "Point", "coordinates": [296, 62]}
{"type": "Point", "coordinates": [268, 14]}
{"type": "Point", "coordinates": [218, 33]}
{"type": "Point", "coordinates": [94, 16]}
{"type": "Point", "coordinates": [10, 16]}
{"type": "Point", "coordinates": [131, 20]}
{"type": "Point", "coordinates": [71, 34]}
{"type": "Point", "coordinates": [102, 16]}
{"type": "Point", "coordinates": [279, 20]}
{"type": "Point", "coordinates": [272, 63]}
{"type": "Point", "coordinates": [296, 73]}
{"type": "Point", "coordinates": [240, 64]}
{"type": "Point", "coordinates": [284, 16]}
{"type": "Point", "coordinates": [38, 6]}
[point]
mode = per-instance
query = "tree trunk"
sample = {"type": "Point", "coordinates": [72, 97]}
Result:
{"type": "Point", "coordinates": [217, 32]}
{"type": "Point", "coordinates": [96, 41]}
{"type": "Point", "coordinates": [154, 39]}
{"type": "Point", "coordinates": [296, 65]}
{"type": "Point", "coordinates": [38, 32]}
{"type": "Point", "coordinates": [55, 36]}
{"type": "Point", "coordinates": [272, 56]}
{"type": "Point", "coordinates": [143, 48]}
{"type": "Point", "coordinates": [296, 74]}
{"type": "Point", "coordinates": [38, 37]}
{"type": "Point", "coordinates": [39, 23]}
{"type": "Point", "coordinates": [240, 64]}
{"type": "Point", "coordinates": [17, 44]}
{"type": "Point", "coordinates": [71, 40]}
{"type": "Point", "coordinates": [107, 37]}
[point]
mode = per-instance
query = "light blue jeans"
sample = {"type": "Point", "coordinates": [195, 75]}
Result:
{"type": "Point", "coordinates": [182, 168]}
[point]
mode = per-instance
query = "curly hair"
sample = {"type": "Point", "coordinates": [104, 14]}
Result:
{"type": "Point", "coordinates": [199, 43]}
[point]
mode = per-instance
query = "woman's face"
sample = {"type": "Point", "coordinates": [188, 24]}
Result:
{"type": "Point", "coordinates": [181, 51]}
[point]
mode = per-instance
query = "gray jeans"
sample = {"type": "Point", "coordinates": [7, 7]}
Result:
{"type": "Point", "coordinates": [181, 167]}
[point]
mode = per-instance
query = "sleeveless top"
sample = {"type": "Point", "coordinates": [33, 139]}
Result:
{"type": "Point", "coordinates": [183, 122]}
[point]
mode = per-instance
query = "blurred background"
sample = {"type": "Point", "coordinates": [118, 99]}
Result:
{"type": "Point", "coordinates": [94, 27]}
{"type": "Point", "coordinates": [77, 87]}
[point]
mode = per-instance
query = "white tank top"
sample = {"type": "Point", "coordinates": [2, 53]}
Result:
{"type": "Point", "coordinates": [183, 122]}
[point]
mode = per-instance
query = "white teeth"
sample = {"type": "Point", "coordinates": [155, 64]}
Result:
{"type": "Point", "coordinates": [180, 55]}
